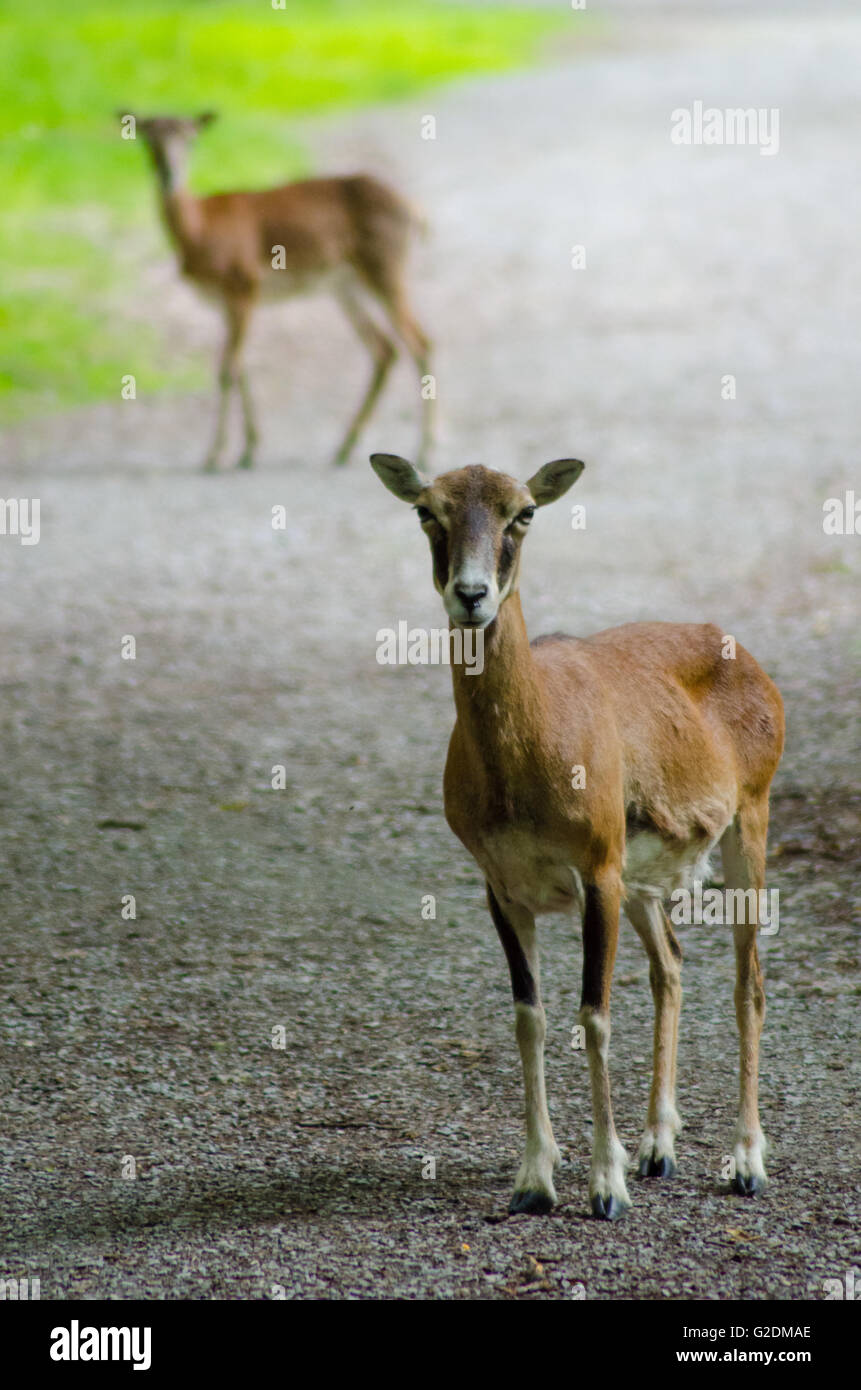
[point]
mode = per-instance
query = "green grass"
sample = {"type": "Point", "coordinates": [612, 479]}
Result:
{"type": "Point", "coordinates": [79, 217]}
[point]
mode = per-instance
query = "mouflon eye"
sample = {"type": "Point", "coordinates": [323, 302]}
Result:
{"type": "Point", "coordinates": [523, 518]}
{"type": "Point", "coordinates": [424, 514]}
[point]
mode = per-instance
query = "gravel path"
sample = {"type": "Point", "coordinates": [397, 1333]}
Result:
{"type": "Point", "coordinates": [298, 1170]}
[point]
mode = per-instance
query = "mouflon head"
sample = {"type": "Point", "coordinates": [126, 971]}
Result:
{"type": "Point", "coordinates": [475, 520]}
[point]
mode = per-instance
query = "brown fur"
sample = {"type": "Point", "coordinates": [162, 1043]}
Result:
{"type": "Point", "coordinates": [349, 236]}
{"type": "Point", "coordinates": [659, 719]}
{"type": "Point", "coordinates": [677, 741]}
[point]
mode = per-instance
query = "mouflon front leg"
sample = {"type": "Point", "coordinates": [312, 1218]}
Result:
{"type": "Point", "coordinates": [607, 1191]}
{"type": "Point", "coordinates": [533, 1188]}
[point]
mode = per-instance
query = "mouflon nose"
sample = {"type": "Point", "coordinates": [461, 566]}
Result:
{"type": "Point", "coordinates": [471, 598]}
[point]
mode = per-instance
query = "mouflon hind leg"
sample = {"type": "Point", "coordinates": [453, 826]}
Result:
{"type": "Point", "coordinates": [743, 848]}
{"type": "Point", "coordinates": [657, 1156]}
{"type": "Point", "coordinates": [383, 353]}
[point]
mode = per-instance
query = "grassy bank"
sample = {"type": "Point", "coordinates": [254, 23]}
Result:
{"type": "Point", "coordinates": [79, 207]}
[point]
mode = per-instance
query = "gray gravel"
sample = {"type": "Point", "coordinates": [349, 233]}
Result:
{"type": "Point", "coordinates": [297, 1171]}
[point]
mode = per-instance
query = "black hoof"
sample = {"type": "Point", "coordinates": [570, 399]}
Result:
{"type": "Point", "coordinates": [747, 1187]}
{"type": "Point", "coordinates": [656, 1168]}
{"type": "Point", "coordinates": [608, 1208]}
{"type": "Point", "coordinates": [535, 1203]}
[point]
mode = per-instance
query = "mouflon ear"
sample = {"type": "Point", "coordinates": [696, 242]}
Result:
{"type": "Point", "coordinates": [399, 476]}
{"type": "Point", "coordinates": [554, 479]}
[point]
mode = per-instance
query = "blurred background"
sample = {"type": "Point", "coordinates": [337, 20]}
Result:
{"type": "Point", "coordinates": [80, 238]}
{"type": "Point", "coordinates": [590, 288]}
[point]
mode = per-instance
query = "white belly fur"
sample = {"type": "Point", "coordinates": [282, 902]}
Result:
{"type": "Point", "coordinates": [288, 283]}
{"type": "Point", "coordinates": [654, 867]}
{"type": "Point", "coordinates": [542, 879]}
{"type": "Point", "coordinates": [537, 876]}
